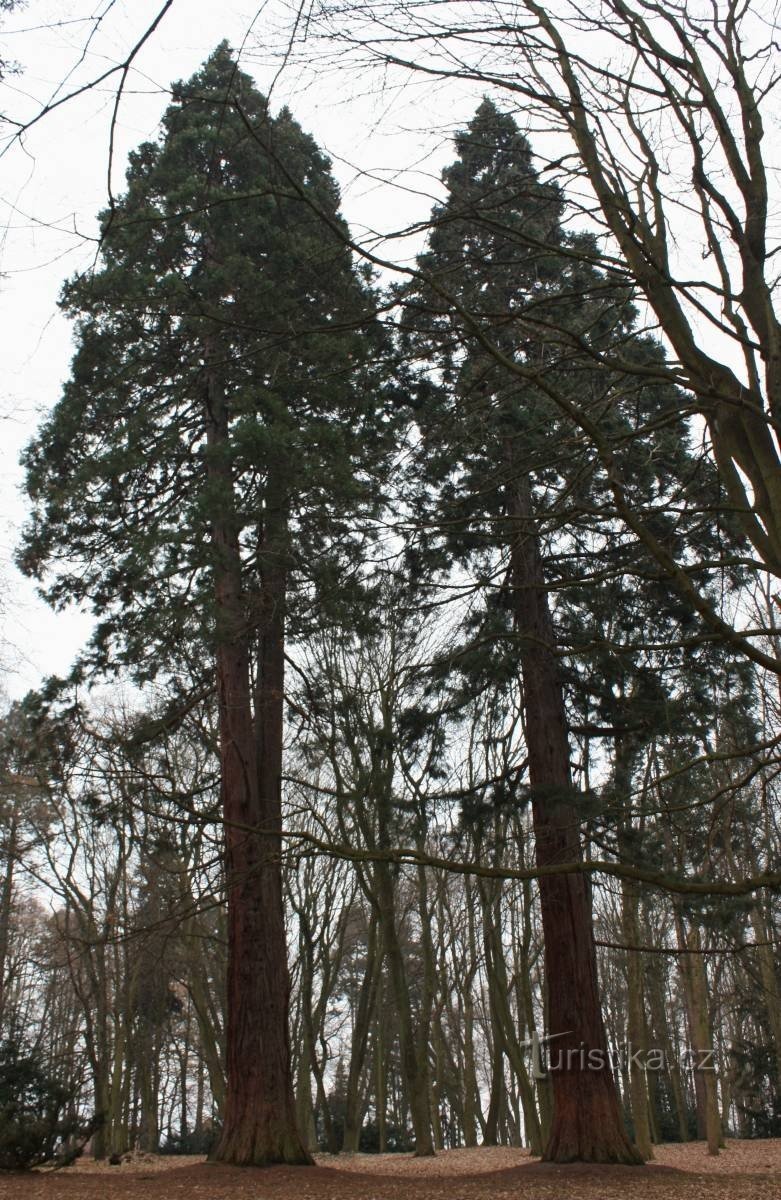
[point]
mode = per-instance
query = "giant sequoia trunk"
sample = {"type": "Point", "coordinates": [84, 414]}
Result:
{"type": "Point", "coordinates": [587, 1125]}
{"type": "Point", "coordinates": [259, 1124]}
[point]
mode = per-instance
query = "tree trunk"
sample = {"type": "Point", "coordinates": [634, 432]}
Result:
{"type": "Point", "coordinates": [426, 1020]}
{"type": "Point", "coordinates": [661, 1030]}
{"type": "Point", "coordinates": [587, 1123]}
{"type": "Point", "coordinates": [367, 999]}
{"type": "Point", "coordinates": [636, 1029]}
{"type": "Point", "coordinates": [471, 1091]}
{"type": "Point", "coordinates": [148, 1131]}
{"type": "Point", "coordinates": [771, 993]}
{"type": "Point", "coordinates": [211, 1050]}
{"type": "Point", "coordinates": [630, 925]}
{"type": "Point", "coordinates": [259, 1119]}
{"type": "Point", "coordinates": [6, 901]}
{"type": "Point", "coordinates": [414, 1044]}
{"type": "Point", "coordinates": [381, 1088]}
{"type": "Point", "coordinates": [491, 1129]}
{"type": "Point", "coordinates": [415, 1068]}
{"type": "Point", "coordinates": [696, 989]}
{"type": "Point", "coordinates": [502, 1022]}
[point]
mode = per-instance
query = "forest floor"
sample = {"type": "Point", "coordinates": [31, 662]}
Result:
{"type": "Point", "coordinates": [743, 1171]}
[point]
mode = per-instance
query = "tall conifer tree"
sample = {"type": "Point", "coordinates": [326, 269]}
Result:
{"type": "Point", "coordinates": [511, 482]}
{"type": "Point", "coordinates": [198, 477]}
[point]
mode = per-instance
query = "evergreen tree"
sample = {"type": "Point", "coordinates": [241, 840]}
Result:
{"type": "Point", "coordinates": [198, 480]}
{"type": "Point", "coordinates": [513, 493]}
{"type": "Point", "coordinates": [37, 1120]}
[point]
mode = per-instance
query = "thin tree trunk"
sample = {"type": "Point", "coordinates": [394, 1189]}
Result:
{"type": "Point", "coordinates": [471, 1091]}
{"type": "Point", "coordinates": [184, 1060]}
{"type": "Point", "coordinates": [661, 1030]}
{"type": "Point", "coordinates": [211, 1052]}
{"type": "Point", "coordinates": [414, 1049]}
{"type": "Point", "coordinates": [367, 999]}
{"type": "Point", "coordinates": [6, 901]}
{"type": "Point", "coordinates": [630, 900]}
{"type": "Point", "coordinates": [381, 1088]}
{"type": "Point", "coordinates": [491, 1130]}
{"type": "Point", "coordinates": [502, 1019]}
{"type": "Point", "coordinates": [305, 1112]}
{"type": "Point", "coordinates": [638, 1088]}
{"type": "Point", "coordinates": [426, 1007]}
{"type": "Point", "coordinates": [696, 989]}
{"type": "Point", "coordinates": [771, 993]}
{"type": "Point", "coordinates": [199, 1096]}
{"type": "Point", "coordinates": [415, 1069]}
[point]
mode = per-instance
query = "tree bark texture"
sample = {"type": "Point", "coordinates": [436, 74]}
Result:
{"type": "Point", "coordinates": [260, 1118]}
{"type": "Point", "coordinates": [587, 1123]}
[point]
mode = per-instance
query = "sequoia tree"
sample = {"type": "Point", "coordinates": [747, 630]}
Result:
{"type": "Point", "coordinates": [656, 115]}
{"type": "Point", "coordinates": [195, 482]}
{"type": "Point", "coordinates": [521, 501]}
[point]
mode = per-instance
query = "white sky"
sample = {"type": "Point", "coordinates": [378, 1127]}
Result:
{"type": "Point", "coordinates": [52, 187]}
{"type": "Point", "coordinates": [388, 137]}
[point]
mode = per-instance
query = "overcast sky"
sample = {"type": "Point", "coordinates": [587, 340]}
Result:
{"type": "Point", "coordinates": [388, 133]}
{"type": "Point", "coordinates": [54, 183]}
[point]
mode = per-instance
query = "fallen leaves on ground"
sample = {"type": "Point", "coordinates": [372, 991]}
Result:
{"type": "Point", "coordinates": [743, 1171]}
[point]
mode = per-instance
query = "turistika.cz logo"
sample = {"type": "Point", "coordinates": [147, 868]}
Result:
{"type": "Point", "coordinates": [620, 1058]}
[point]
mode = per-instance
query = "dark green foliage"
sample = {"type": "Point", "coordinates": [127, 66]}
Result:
{"type": "Point", "coordinates": [512, 332]}
{"type": "Point", "coordinates": [202, 481]}
{"type": "Point", "coordinates": [397, 1141]}
{"type": "Point", "coordinates": [499, 251]}
{"type": "Point", "coordinates": [37, 1118]}
{"type": "Point", "coordinates": [759, 1103]}
{"type": "Point", "coordinates": [665, 1117]}
{"type": "Point", "coordinates": [225, 259]}
{"type": "Point", "coordinates": [5, 65]}
{"type": "Point", "coordinates": [196, 1141]}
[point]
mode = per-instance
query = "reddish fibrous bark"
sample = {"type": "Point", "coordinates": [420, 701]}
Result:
{"type": "Point", "coordinates": [259, 1125]}
{"type": "Point", "coordinates": [587, 1124]}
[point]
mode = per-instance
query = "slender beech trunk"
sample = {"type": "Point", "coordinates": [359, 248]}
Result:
{"type": "Point", "coordinates": [661, 1031]}
{"type": "Point", "coordinates": [414, 1046]}
{"type": "Point", "coordinates": [148, 1131]}
{"type": "Point", "coordinates": [381, 1086]}
{"type": "Point", "coordinates": [771, 993]}
{"type": "Point", "coordinates": [209, 1034]}
{"type": "Point", "coordinates": [98, 1053]}
{"type": "Point", "coordinates": [636, 1028]}
{"type": "Point", "coordinates": [6, 900]}
{"type": "Point", "coordinates": [414, 1067]}
{"type": "Point", "coordinates": [526, 1005]}
{"type": "Point", "coordinates": [200, 1094]}
{"type": "Point", "coordinates": [696, 990]}
{"type": "Point", "coordinates": [426, 1017]}
{"type": "Point", "coordinates": [184, 1061]}
{"type": "Point", "coordinates": [305, 1113]}
{"type": "Point", "coordinates": [502, 1022]}
{"type": "Point", "coordinates": [367, 999]}
{"type": "Point", "coordinates": [471, 1093]}
{"type": "Point", "coordinates": [630, 924]}
{"type": "Point", "coordinates": [259, 1119]}
{"type": "Point", "coordinates": [310, 1019]}
{"type": "Point", "coordinates": [491, 1129]}
{"type": "Point", "coordinates": [587, 1122]}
